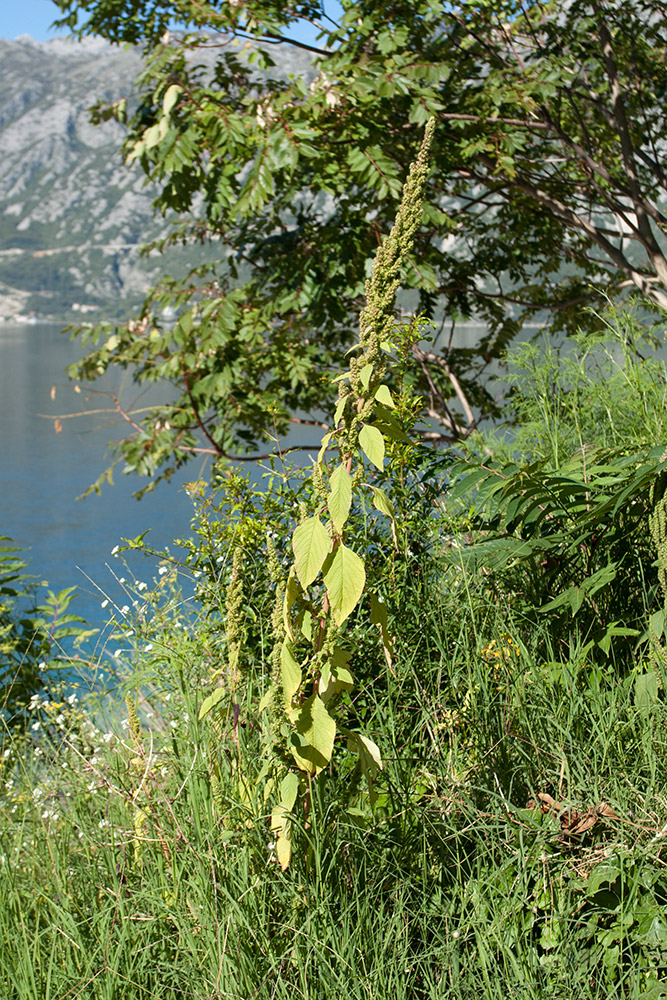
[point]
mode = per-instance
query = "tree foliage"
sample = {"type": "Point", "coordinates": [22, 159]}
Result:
{"type": "Point", "coordinates": [545, 193]}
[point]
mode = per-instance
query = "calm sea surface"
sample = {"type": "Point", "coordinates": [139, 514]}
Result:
{"type": "Point", "coordinates": [42, 473]}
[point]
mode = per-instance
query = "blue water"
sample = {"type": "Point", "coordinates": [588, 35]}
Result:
{"type": "Point", "coordinates": [69, 541]}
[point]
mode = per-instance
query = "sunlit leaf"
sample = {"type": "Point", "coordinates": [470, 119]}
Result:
{"type": "Point", "coordinates": [314, 736]}
{"type": "Point", "coordinates": [344, 578]}
{"type": "Point", "coordinates": [311, 544]}
{"type": "Point", "coordinates": [340, 497]}
{"type": "Point", "coordinates": [372, 444]}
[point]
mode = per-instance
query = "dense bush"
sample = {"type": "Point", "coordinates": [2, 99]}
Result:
{"type": "Point", "coordinates": [34, 624]}
{"type": "Point", "coordinates": [559, 504]}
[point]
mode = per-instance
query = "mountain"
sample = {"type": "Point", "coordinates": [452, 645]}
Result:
{"type": "Point", "coordinates": [72, 214]}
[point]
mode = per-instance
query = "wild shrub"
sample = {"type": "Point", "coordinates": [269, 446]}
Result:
{"type": "Point", "coordinates": [560, 504]}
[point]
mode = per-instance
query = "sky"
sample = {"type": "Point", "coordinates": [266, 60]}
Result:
{"type": "Point", "coordinates": [34, 17]}
{"type": "Point", "coordinates": [27, 17]}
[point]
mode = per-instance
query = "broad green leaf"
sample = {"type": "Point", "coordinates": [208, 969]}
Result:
{"type": "Point", "coordinates": [313, 740]}
{"type": "Point", "coordinates": [281, 825]}
{"type": "Point", "coordinates": [340, 657]}
{"type": "Point", "coordinates": [340, 407]}
{"type": "Point", "coordinates": [378, 612]}
{"type": "Point", "coordinates": [290, 673]}
{"type": "Point", "coordinates": [372, 444]}
{"type": "Point", "coordinates": [365, 375]}
{"type": "Point", "coordinates": [382, 502]}
{"type": "Point", "coordinates": [388, 425]}
{"type": "Point", "coordinates": [383, 395]}
{"type": "Point", "coordinates": [369, 758]}
{"type": "Point", "coordinates": [323, 447]}
{"type": "Point", "coordinates": [657, 624]}
{"type": "Point", "coordinates": [212, 700]}
{"type": "Point", "coordinates": [306, 625]}
{"type": "Point", "coordinates": [311, 544]}
{"type": "Point", "coordinates": [344, 579]}
{"type": "Point", "coordinates": [292, 591]}
{"type": "Point", "coordinates": [340, 497]}
{"type": "Point", "coordinates": [646, 693]}
{"type": "Point", "coordinates": [151, 136]}
{"type": "Point", "coordinates": [605, 873]}
{"type": "Point", "coordinates": [284, 848]}
{"type": "Point", "coordinates": [334, 679]}
{"type": "Point", "coordinates": [266, 699]}
{"type": "Point", "coordinates": [371, 749]}
{"type": "Point", "coordinates": [289, 788]}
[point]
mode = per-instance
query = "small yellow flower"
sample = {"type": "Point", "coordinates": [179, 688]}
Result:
{"type": "Point", "coordinates": [503, 651]}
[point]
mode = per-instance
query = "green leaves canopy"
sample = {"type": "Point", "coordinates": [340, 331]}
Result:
{"type": "Point", "coordinates": [545, 157]}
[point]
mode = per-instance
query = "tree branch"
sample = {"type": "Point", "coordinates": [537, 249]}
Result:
{"type": "Point", "coordinates": [593, 232]}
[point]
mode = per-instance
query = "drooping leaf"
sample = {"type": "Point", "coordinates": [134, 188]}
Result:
{"type": "Point", "coordinates": [369, 758]}
{"type": "Point", "coordinates": [281, 825]}
{"type": "Point", "coordinates": [340, 407]}
{"type": "Point", "coordinates": [382, 502]}
{"type": "Point", "coordinates": [315, 732]}
{"type": "Point", "coordinates": [289, 788]}
{"type": "Point", "coordinates": [324, 444]}
{"type": "Point", "coordinates": [292, 591]}
{"type": "Point", "coordinates": [340, 497]}
{"type": "Point", "coordinates": [344, 578]}
{"type": "Point", "coordinates": [365, 375]}
{"type": "Point", "coordinates": [170, 98]}
{"type": "Point", "coordinates": [311, 544]}
{"type": "Point", "coordinates": [372, 444]}
{"type": "Point", "coordinates": [371, 750]}
{"type": "Point", "coordinates": [335, 677]}
{"type": "Point", "coordinates": [290, 673]}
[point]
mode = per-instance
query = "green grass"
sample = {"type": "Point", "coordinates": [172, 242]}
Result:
{"type": "Point", "coordinates": [448, 887]}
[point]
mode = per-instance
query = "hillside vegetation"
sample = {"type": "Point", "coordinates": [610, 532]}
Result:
{"type": "Point", "coordinates": [391, 722]}
{"type": "Point", "coordinates": [442, 779]}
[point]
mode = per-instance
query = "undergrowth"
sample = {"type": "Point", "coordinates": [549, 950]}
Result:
{"type": "Point", "coordinates": [514, 844]}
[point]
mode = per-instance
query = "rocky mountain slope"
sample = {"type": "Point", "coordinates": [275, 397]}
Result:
{"type": "Point", "coordinates": [72, 215]}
